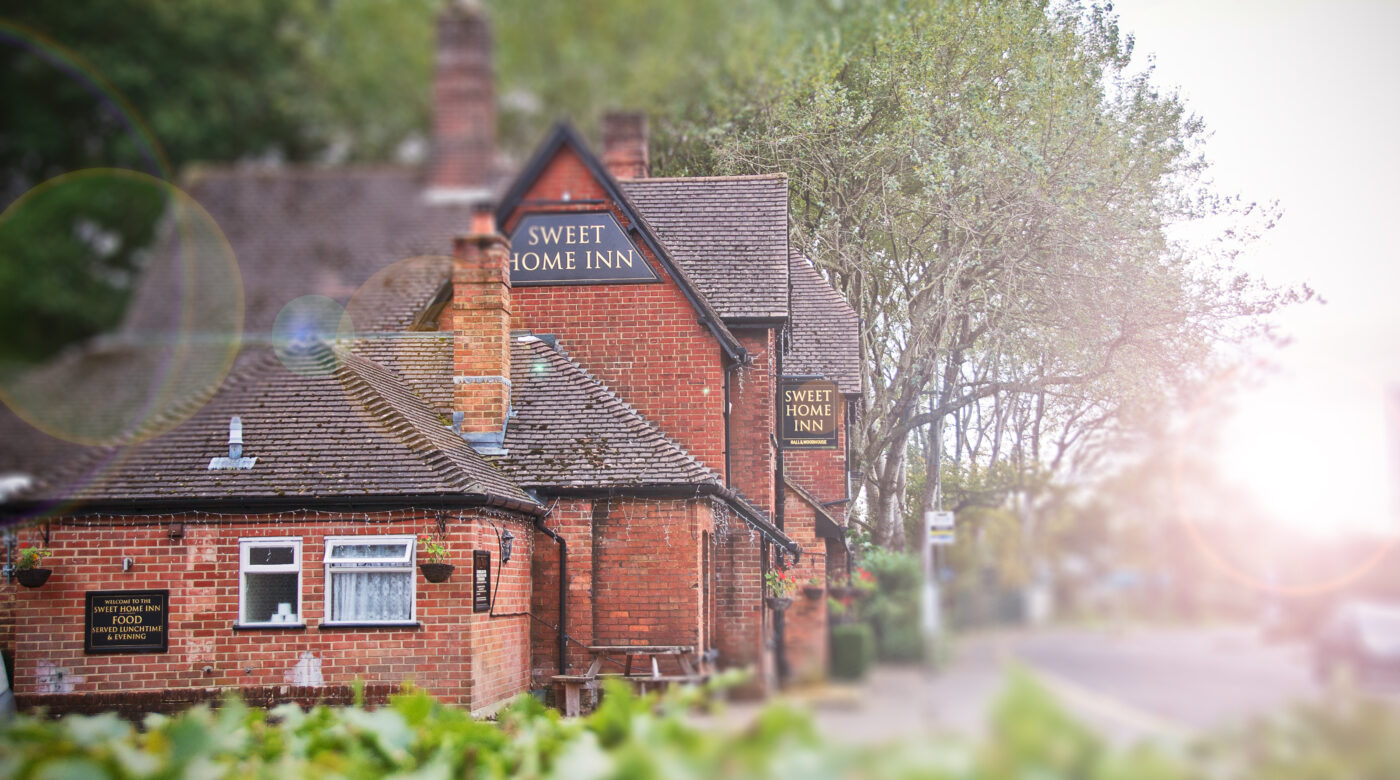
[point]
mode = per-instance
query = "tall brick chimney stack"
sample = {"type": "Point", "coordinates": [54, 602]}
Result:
{"type": "Point", "coordinates": [464, 106]}
{"type": "Point", "coordinates": [481, 338]}
{"type": "Point", "coordinates": [625, 151]}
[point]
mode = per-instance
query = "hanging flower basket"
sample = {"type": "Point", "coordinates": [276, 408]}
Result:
{"type": "Point", "coordinates": [813, 592]}
{"type": "Point", "coordinates": [842, 591]}
{"type": "Point", "coordinates": [33, 578]}
{"type": "Point", "coordinates": [436, 572]}
{"type": "Point", "coordinates": [778, 603]}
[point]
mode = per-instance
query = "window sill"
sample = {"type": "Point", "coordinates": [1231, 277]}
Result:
{"type": "Point", "coordinates": [335, 626]}
{"type": "Point", "coordinates": [269, 626]}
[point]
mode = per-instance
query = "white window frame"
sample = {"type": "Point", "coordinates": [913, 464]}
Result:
{"type": "Point", "coordinates": [245, 568]}
{"type": "Point", "coordinates": [405, 563]}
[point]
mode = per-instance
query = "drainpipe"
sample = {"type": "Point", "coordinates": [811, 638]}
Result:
{"type": "Point", "coordinates": [563, 592]}
{"type": "Point", "coordinates": [728, 443]}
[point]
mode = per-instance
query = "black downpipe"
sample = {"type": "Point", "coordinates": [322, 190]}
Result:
{"type": "Point", "coordinates": [563, 593]}
{"type": "Point", "coordinates": [728, 482]}
{"type": "Point", "coordinates": [780, 505]}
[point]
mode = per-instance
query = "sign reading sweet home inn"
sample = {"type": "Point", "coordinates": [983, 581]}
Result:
{"type": "Point", "coordinates": [126, 621]}
{"type": "Point", "coordinates": [808, 413]}
{"type": "Point", "coordinates": [574, 248]}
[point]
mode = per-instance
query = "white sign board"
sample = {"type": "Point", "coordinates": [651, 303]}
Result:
{"type": "Point", "coordinates": [940, 528]}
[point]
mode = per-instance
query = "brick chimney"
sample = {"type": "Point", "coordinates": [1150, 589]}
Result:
{"type": "Point", "coordinates": [625, 145]}
{"type": "Point", "coordinates": [464, 106]}
{"type": "Point", "coordinates": [481, 339]}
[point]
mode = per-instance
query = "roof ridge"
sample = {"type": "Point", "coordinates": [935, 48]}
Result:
{"type": "Point", "coordinates": [734, 177]}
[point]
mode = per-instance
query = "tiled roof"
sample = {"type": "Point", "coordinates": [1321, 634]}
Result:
{"type": "Point", "coordinates": [569, 430]}
{"type": "Point", "coordinates": [729, 234]}
{"type": "Point", "coordinates": [828, 527]}
{"type": "Point", "coordinates": [825, 330]}
{"type": "Point", "coordinates": [338, 425]}
{"type": "Point", "coordinates": [306, 231]}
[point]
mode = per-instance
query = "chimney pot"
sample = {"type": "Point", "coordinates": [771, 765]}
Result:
{"type": "Point", "coordinates": [625, 145]}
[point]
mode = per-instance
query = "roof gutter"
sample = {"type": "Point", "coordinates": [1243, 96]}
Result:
{"type": "Point", "coordinates": [19, 511]}
{"type": "Point", "coordinates": [683, 490]}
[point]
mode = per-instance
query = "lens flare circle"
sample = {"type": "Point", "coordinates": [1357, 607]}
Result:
{"type": "Point", "coordinates": [1231, 569]}
{"type": "Point", "coordinates": [183, 322]}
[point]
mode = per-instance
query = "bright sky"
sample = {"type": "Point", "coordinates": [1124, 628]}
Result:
{"type": "Point", "coordinates": [1303, 101]}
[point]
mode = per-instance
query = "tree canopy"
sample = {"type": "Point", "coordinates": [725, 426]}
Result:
{"type": "Point", "coordinates": [993, 188]}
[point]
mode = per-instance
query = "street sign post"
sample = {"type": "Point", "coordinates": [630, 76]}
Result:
{"type": "Point", "coordinates": [940, 528]}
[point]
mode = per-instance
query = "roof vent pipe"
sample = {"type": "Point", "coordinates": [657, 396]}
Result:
{"type": "Point", "coordinates": [235, 460]}
{"type": "Point", "coordinates": [235, 437]}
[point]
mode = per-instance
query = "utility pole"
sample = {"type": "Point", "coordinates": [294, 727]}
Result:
{"type": "Point", "coordinates": [931, 602]}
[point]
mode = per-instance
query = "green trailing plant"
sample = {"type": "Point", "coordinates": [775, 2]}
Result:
{"type": "Point", "coordinates": [780, 583]}
{"type": "Point", "coordinates": [31, 557]}
{"type": "Point", "coordinates": [434, 549]}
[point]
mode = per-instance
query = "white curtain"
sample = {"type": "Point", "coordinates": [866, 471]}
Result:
{"type": "Point", "coordinates": [365, 595]}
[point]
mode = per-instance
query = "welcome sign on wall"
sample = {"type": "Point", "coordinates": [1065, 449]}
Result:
{"type": "Point", "coordinates": [574, 248]}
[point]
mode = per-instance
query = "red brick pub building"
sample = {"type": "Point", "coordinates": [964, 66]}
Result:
{"type": "Point", "coordinates": [633, 385]}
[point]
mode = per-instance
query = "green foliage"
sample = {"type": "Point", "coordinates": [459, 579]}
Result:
{"type": "Point", "coordinates": [1029, 735]}
{"type": "Point", "coordinates": [852, 650]}
{"type": "Point", "coordinates": [892, 607]}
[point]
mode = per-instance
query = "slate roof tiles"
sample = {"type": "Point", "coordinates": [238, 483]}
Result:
{"type": "Point", "coordinates": [825, 330]}
{"type": "Point", "coordinates": [729, 234]}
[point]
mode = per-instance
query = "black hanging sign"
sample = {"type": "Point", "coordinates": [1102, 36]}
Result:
{"type": "Point", "coordinates": [574, 248]}
{"type": "Point", "coordinates": [808, 413]}
{"type": "Point", "coordinates": [126, 621]}
{"type": "Point", "coordinates": [481, 581]}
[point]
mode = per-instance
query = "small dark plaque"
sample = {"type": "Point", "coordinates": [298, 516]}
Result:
{"type": "Point", "coordinates": [127, 621]}
{"type": "Point", "coordinates": [481, 581]}
{"type": "Point", "coordinates": [808, 412]}
{"type": "Point", "coordinates": [574, 248]}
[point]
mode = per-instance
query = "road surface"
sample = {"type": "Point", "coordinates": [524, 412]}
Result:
{"type": "Point", "coordinates": [1129, 684]}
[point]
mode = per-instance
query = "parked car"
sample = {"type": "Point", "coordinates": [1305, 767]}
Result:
{"type": "Point", "coordinates": [1360, 642]}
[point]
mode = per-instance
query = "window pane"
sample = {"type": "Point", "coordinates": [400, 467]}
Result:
{"type": "Point", "coordinates": [268, 597]}
{"type": "Point", "coordinates": [371, 595]}
{"type": "Point", "coordinates": [271, 556]}
{"type": "Point", "coordinates": [396, 550]}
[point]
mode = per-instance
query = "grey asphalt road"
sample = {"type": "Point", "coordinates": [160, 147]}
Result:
{"type": "Point", "coordinates": [1165, 683]}
{"type": "Point", "coordinates": [1129, 684]}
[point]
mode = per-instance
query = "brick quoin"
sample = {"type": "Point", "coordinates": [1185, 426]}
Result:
{"type": "Point", "coordinates": [752, 422]}
{"type": "Point", "coordinates": [465, 658]}
{"type": "Point", "coordinates": [644, 341]}
{"type": "Point", "coordinates": [805, 631]}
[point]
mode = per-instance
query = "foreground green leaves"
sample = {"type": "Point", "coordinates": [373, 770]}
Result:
{"type": "Point", "coordinates": [628, 737]}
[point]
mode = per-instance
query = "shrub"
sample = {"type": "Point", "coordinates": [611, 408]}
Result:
{"type": "Point", "coordinates": [892, 609]}
{"type": "Point", "coordinates": [852, 651]}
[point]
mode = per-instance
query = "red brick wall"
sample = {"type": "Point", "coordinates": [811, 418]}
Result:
{"type": "Point", "coordinates": [646, 573]}
{"type": "Point", "coordinates": [500, 639]}
{"type": "Point", "coordinates": [805, 631]}
{"type": "Point", "coordinates": [573, 520]}
{"type": "Point", "coordinates": [201, 573]}
{"type": "Point", "coordinates": [740, 621]}
{"type": "Point", "coordinates": [821, 472]}
{"type": "Point", "coordinates": [642, 340]}
{"type": "Point", "coordinates": [636, 577]}
{"type": "Point", "coordinates": [752, 423]}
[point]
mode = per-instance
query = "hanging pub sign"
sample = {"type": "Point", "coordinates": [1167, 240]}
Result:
{"type": "Point", "coordinates": [126, 621]}
{"type": "Point", "coordinates": [808, 413]}
{"type": "Point", "coordinates": [574, 248]}
{"type": "Point", "coordinates": [481, 581]}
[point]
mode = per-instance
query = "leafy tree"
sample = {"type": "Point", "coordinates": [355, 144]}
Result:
{"type": "Point", "coordinates": [992, 188]}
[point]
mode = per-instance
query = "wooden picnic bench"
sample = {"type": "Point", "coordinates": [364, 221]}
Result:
{"type": "Point", "coordinates": [574, 684]}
